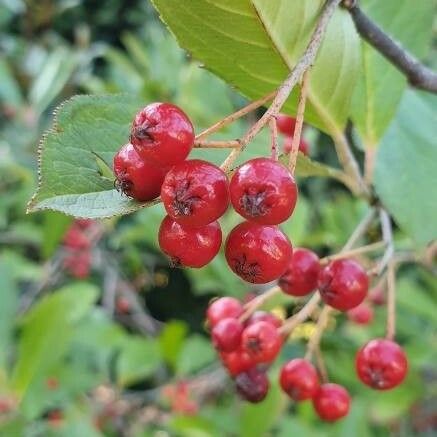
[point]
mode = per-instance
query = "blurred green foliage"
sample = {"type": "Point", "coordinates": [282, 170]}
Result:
{"type": "Point", "coordinates": [68, 351]}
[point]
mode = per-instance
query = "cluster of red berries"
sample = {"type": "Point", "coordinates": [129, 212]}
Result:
{"type": "Point", "coordinates": [247, 346]}
{"type": "Point", "coordinates": [196, 194]}
{"type": "Point", "coordinates": [286, 126]}
{"type": "Point", "coordinates": [77, 259]}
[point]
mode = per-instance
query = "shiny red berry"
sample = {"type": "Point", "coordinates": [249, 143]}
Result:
{"type": "Point", "coordinates": [135, 177]}
{"type": "Point", "coordinates": [331, 402]}
{"type": "Point", "coordinates": [264, 191]}
{"type": "Point", "coordinates": [286, 124]}
{"type": "Point", "coordinates": [257, 253]}
{"type": "Point", "coordinates": [361, 315]}
{"type": "Point", "coordinates": [189, 247]}
{"type": "Point", "coordinates": [304, 147]}
{"type": "Point", "coordinates": [162, 133]}
{"type": "Point", "coordinates": [302, 272]}
{"type": "Point", "coordinates": [226, 335]}
{"type": "Point", "coordinates": [195, 192]}
{"type": "Point", "coordinates": [223, 308]}
{"type": "Point", "coordinates": [237, 362]}
{"type": "Point", "coordinates": [264, 316]}
{"type": "Point", "coordinates": [252, 385]}
{"type": "Point", "coordinates": [299, 379]}
{"type": "Point", "coordinates": [381, 364]}
{"type": "Point", "coordinates": [343, 284]}
{"type": "Point", "coordinates": [262, 341]}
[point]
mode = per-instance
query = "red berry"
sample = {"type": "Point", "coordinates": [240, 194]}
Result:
{"type": "Point", "coordinates": [122, 305]}
{"type": "Point", "coordinates": [75, 238]}
{"type": "Point", "coordinates": [195, 192]}
{"type": "Point", "coordinates": [377, 296]}
{"type": "Point", "coordinates": [286, 124]}
{"type": "Point", "coordinates": [162, 132]}
{"type": "Point", "coordinates": [361, 315]}
{"type": "Point", "coordinates": [302, 272]}
{"type": "Point", "coordinates": [264, 316]}
{"type": "Point", "coordinates": [226, 335]}
{"type": "Point", "coordinates": [135, 177]}
{"type": "Point", "coordinates": [189, 247]}
{"type": "Point", "coordinates": [257, 253]}
{"type": "Point", "coordinates": [261, 341]}
{"type": "Point", "coordinates": [223, 308]}
{"type": "Point", "coordinates": [299, 379]}
{"type": "Point", "coordinates": [381, 364]}
{"type": "Point", "coordinates": [331, 402]}
{"type": "Point", "coordinates": [264, 191]}
{"type": "Point", "coordinates": [304, 147]}
{"type": "Point", "coordinates": [237, 362]}
{"type": "Point", "coordinates": [343, 284]}
{"type": "Point", "coordinates": [252, 385]}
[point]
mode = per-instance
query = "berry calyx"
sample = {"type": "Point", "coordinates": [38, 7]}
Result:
{"type": "Point", "coordinates": [302, 272]}
{"type": "Point", "coordinates": [237, 362]}
{"type": "Point", "coordinates": [226, 335]}
{"type": "Point", "coordinates": [264, 191]}
{"type": "Point", "coordinates": [361, 315]}
{"type": "Point", "coordinates": [223, 308]}
{"type": "Point", "coordinates": [261, 341]}
{"type": "Point", "coordinates": [252, 385]}
{"type": "Point", "coordinates": [264, 316]}
{"type": "Point", "coordinates": [189, 247]}
{"type": "Point", "coordinates": [299, 379]}
{"type": "Point", "coordinates": [162, 133]}
{"type": "Point", "coordinates": [343, 284]}
{"type": "Point", "coordinates": [135, 177]}
{"type": "Point", "coordinates": [331, 402]}
{"type": "Point", "coordinates": [257, 253]}
{"type": "Point", "coordinates": [195, 193]}
{"type": "Point", "coordinates": [381, 364]}
{"type": "Point", "coordinates": [286, 124]}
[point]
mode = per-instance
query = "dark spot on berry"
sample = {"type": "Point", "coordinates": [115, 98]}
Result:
{"type": "Point", "coordinates": [254, 345]}
{"type": "Point", "coordinates": [124, 186]}
{"type": "Point", "coordinates": [254, 204]}
{"type": "Point", "coordinates": [183, 202]}
{"type": "Point", "coordinates": [250, 272]}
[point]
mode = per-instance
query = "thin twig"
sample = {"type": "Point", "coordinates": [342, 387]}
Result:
{"type": "Point", "coordinates": [301, 316]}
{"type": "Point", "coordinates": [305, 62]}
{"type": "Point", "coordinates": [418, 75]}
{"type": "Point", "coordinates": [321, 364]}
{"type": "Point", "coordinates": [236, 115]}
{"type": "Point", "coordinates": [359, 230]}
{"type": "Point", "coordinates": [353, 252]}
{"type": "Point", "coordinates": [299, 122]}
{"type": "Point", "coordinates": [314, 341]}
{"type": "Point", "coordinates": [258, 301]}
{"type": "Point", "coordinates": [387, 236]}
{"type": "Point", "coordinates": [349, 163]}
{"type": "Point", "coordinates": [228, 144]}
{"type": "Point", "coordinates": [391, 300]}
{"type": "Point", "coordinates": [274, 138]}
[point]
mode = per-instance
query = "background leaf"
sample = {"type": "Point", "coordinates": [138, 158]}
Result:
{"type": "Point", "coordinates": [405, 175]}
{"type": "Point", "coordinates": [380, 86]}
{"type": "Point", "coordinates": [253, 44]}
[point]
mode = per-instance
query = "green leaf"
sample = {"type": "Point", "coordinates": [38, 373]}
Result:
{"type": "Point", "coordinates": [139, 358]}
{"type": "Point", "coordinates": [71, 179]}
{"type": "Point", "coordinates": [195, 354]}
{"type": "Point", "coordinates": [171, 341]}
{"type": "Point", "coordinates": [8, 307]}
{"type": "Point", "coordinates": [380, 87]}
{"type": "Point", "coordinates": [405, 175]}
{"type": "Point", "coordinates": [46, 332]}
{"type": "Point", "coordinates": [55, 225]}
{"type": "Point", "coordinates": [253, 45]}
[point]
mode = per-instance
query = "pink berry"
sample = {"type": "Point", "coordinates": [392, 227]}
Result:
{"type": "Point", "coordinates": [361, 315]}
{"type": "Point", "coordinates": [223, 308]}
{"type": "Point", "coordinates": [226, 335]}
{"type": "Point", "coordinates": [286, 124]}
